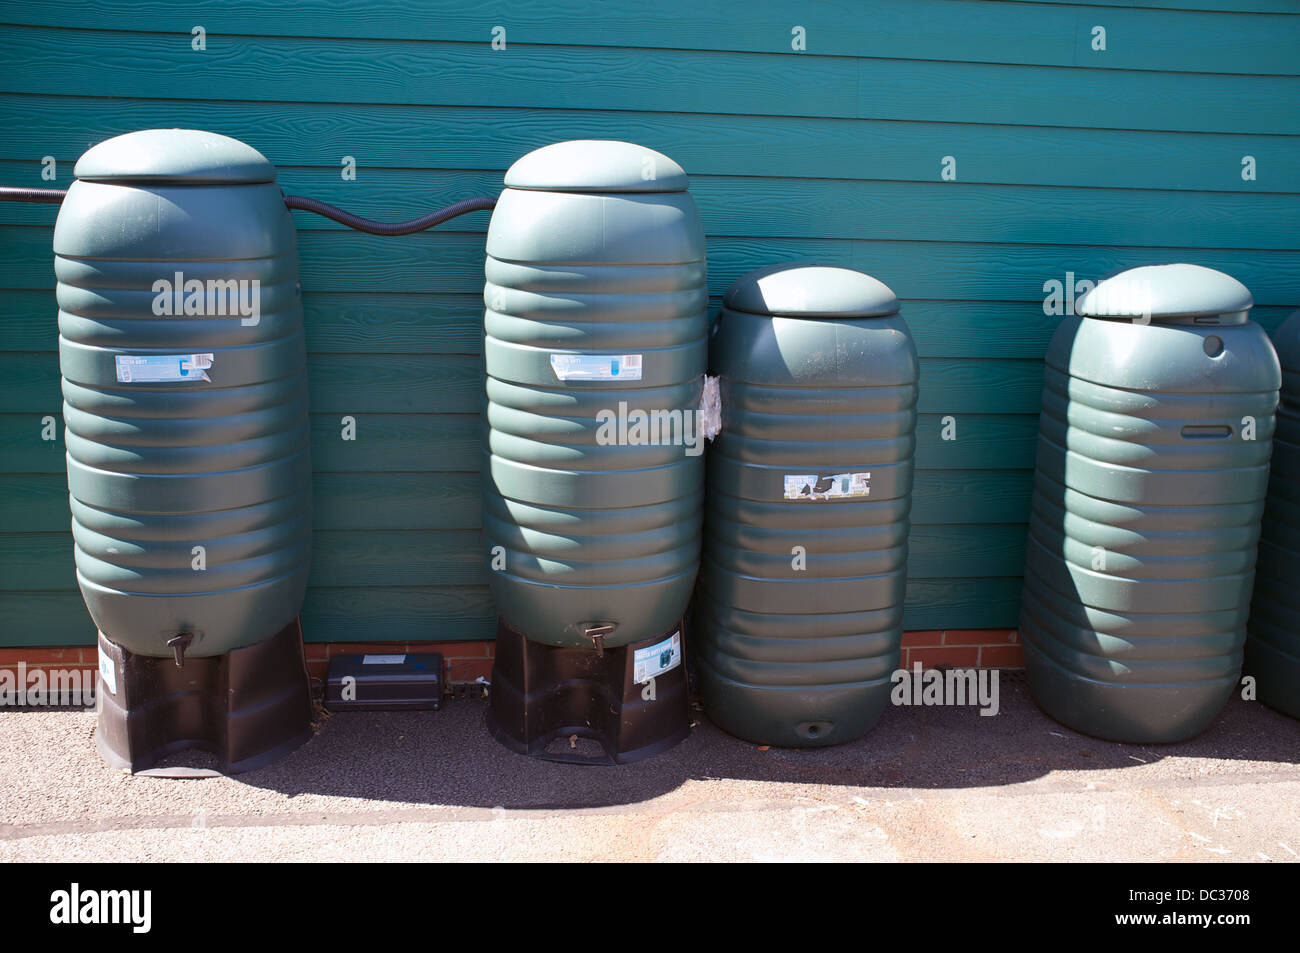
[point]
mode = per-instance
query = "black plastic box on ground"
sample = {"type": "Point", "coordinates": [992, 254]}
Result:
{"type": "Point", "coordinates": [385, 682]}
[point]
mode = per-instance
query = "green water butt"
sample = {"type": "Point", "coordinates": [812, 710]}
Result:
{"type": "Point", "coordinates": [806, 515]}
{"type": "Point", "coordinates": [595, 350]}
{"type": "Point", "coordinates": [185, 392]}
{"type": "Point", "coordinates": [1152, 466]}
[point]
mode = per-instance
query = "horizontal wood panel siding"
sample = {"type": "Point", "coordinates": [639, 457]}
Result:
{"type": "Point", "coordinates": [1068, 160]}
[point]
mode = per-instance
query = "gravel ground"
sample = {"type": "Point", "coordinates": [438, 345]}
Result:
{"type": "Point", "coordinates": [926, 784]}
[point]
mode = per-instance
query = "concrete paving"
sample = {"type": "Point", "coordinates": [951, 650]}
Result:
{"type": "Point", "coordinates": [932, 784]}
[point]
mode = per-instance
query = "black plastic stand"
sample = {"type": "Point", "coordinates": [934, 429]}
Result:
{"type": "Point", "coordinates": [542, 694]}
{"type": "Point", "coordinates": [247, 707]}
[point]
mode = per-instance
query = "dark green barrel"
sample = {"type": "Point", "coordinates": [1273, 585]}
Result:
{"type": "Point", "coordinates": [1152, 468]}
{"type": "Point", "coordinates": [1273, 643]}
{"type": "Point", "coordinates": [596, 310]}
{"type": "Point", "coordinates": [809, 490]}
{"type": "Point", "coordinates": [189, 429]}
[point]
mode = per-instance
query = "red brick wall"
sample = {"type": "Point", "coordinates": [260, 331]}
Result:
{"type": "Point", "coordinates": [466, 661]}
{"type": "Point", "coordinates": [964, 648]}
{"type": "Point", "coordinates": [85, 658]}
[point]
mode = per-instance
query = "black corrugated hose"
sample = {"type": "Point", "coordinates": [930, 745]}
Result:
{"type": "Point", "coordinates": [43, 196]}
{"type": "Point", "coordinates": [390, 228]}
{"type": "Point", "coordinates": [54, 196]}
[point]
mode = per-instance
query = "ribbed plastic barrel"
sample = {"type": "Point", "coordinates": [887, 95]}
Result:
{"type": "Point", "coordinates": [595, 324]}
{"type": "Point", "coordinates": [1153, 458]}
{"type": "Point", "coordinates": [1273, 644]}
{"type": "Point", "coordinates": [809, 490]}
{"type": "Point", "coordinates": [185, 393]}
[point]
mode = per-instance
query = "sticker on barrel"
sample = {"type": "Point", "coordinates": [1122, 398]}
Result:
{"type": "Point", "coordinates": [656, 659]}
{"type": "Point", "coordinates": [162, 368]}
{"type": "Point", "coordinates": [108, 672]}
{"type": "Point", "coordinates": [596, 367]}
{"type": "Point", "coordinates": [813, 486]}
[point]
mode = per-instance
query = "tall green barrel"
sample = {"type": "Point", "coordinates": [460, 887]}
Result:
{"type": "Point", "coordinates": [595, 351]}
{"type": "Point", "coordinates": [185, 403]}
{"type": "Point", "coordinates": [1273, 644]}
{"type": "Point", "coordinates": [809, 491]}
{"type": "Point", "coordinates": [1153, 458]}
{"type": "Point", "coordinates": [596, 310]}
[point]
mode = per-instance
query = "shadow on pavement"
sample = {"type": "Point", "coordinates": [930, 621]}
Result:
{"type": "Point", "coordinates": [448, 758]}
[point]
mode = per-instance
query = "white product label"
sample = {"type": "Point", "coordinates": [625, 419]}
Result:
{"type": "Point", "coordinates": [155, 368]}
{"type": "Point", "coordinates": [656, 659]}
{"type": "Point", "coordinates": [810, 486]}
{"type": "Point", "coordinates": [597, 367]}
{"type": "Point", "coordinates": [108, 672]}
{"type": "Point", "coordinates": [383, 659]}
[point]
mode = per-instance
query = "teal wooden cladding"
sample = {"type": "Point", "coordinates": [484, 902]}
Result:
{"type": "Point", "coordinates": [1006, 33]}
{"type": "Point", "coordinates": [1067, 160]}
{"type": "Point", "coordinates": [455, 139]}
{"type": "Point", "coordinates": [466, 73]}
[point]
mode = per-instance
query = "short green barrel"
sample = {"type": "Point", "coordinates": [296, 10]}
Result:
{"type": "Point", "coordinates": [1273, 642]}
{"type": "Point", "coordinates": [809, 490]}
{"type": "Point", "coordinates": [1152, 469]}
{"type": "Point", "coordinates": [185, 393]}
{"type": "Point", "coordinates": [595, 350]}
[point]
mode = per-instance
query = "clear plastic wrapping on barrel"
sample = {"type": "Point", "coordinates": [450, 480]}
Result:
{"type": "Point", "coordinates": [806, 520]}
{"type": "Point", "coordinates": [185, 392]}
{"type": "Point", "coordinates": [595, 350]}
{"type": "Point", "coordinates": [1153, 458]}
{"type": "Point", "coordinates": [1273, 645]}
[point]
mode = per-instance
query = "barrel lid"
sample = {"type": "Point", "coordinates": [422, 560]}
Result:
{"type": "Point", "coordinates": [810, 290]}
{"type": "Point", "coordinates": [596, 165]}
{"type": "Point", "coordinates": [180, 156]}
{"type": "Point", "coordinates": [1166, 291]}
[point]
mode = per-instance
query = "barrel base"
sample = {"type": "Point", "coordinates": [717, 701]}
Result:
{"type": "Point", "coordinates": [791, 717]}
{"type": "Point", "coordinates": [1277, 675]}
{"type": "Point", "coordinates": [543, 693]}
{"type": "Point", "coordinates": [247, 707]}
{"type": "Point", "coordinates": [1130, 714]}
